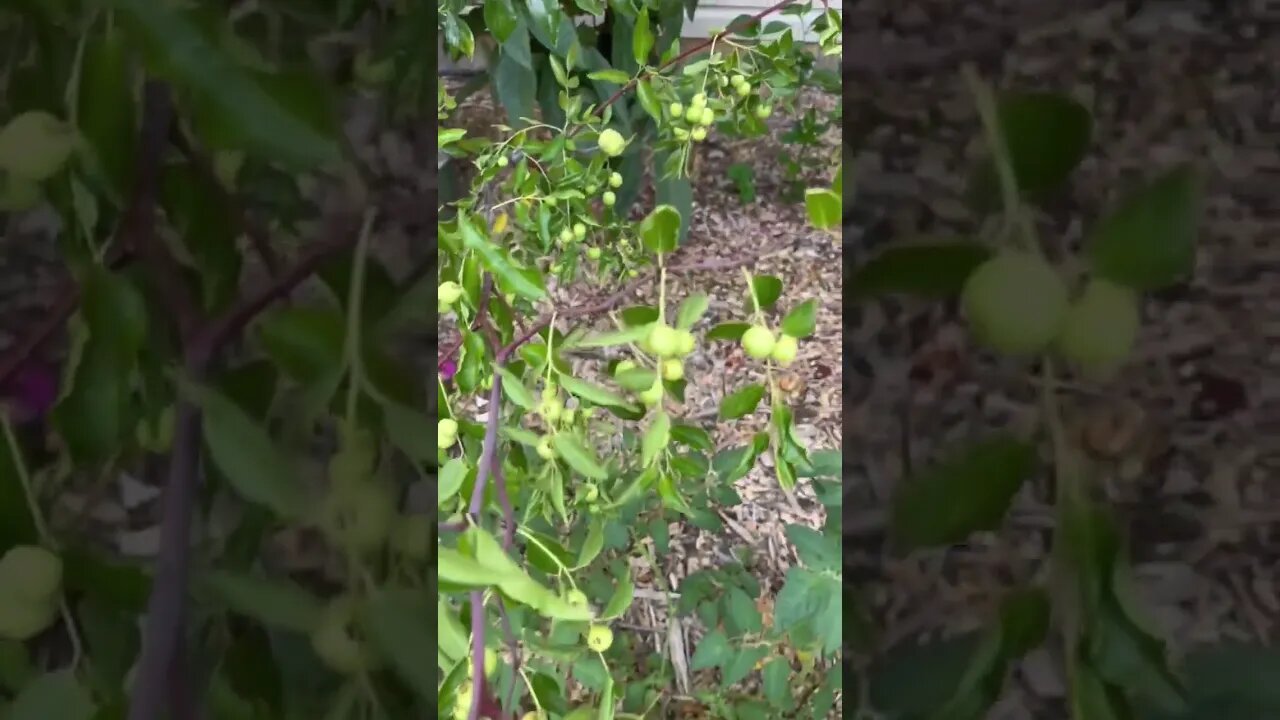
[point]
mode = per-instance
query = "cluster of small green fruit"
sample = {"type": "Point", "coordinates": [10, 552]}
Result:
{"type": "Point", "coordinates": [30, 591]}
{"type": "Point", "coordinates": [553, 413]}
{"type": "Point", "coordinates": [1018, 305]}
{"type": "Point", "coordinates": [359, 514]}
{"type": "Point", "coordinates": [462, 700]}
{"type": "Point", "coordinates": [668, 345]}
{"type": "Point", "coordinates": [447, 293]}
{"type": "Point", "coordinates": [759, 343]}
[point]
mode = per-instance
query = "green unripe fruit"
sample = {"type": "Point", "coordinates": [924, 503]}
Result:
{"type": "Point", "coordinates": [611, 143]}
{"type": "Point", "coordinates": [663, 340]}
{"type": "Point", "coordinates": [1100, 328]}
{"type": "Point", "coordinates": [35, 145]}
{"type": "Point", "coordinates": [503, 161]}
{"type": "Point", "coordinates": [743, 90]}
{"type": "Point", "coordinates": [784, 351]}
{"type": "Point", "coordinates": [763, 111]}
{"type": "Point", "coordinates": [608, 198]}
{"type": "Point", "coordinates": [448, 292]}
{"type": "Point", "coordinates": [698, 134]}
{"type": "Point", "coordinates": [592, 188]}
{"type": "Point", "coordinates": [576, 598]}
{"type": "Point", "coordinates": [672, 369]}
{"type": "Point", "coordinates": [335, 643]}
{"type": "Point", "coordinates": [593, 253]}
{"type": "Point", "coordinates": [579, 230]}
{"type": "Point", "coordinates": [590, 493]}
{"type": "Point", "coordinates": [490, 663]}
{"type": "Point", "coordinates": [360, 517]}
{"type": "Point", "coordinates": [22, 621]}
{"type": "Point", "coordinates": [699, 100]}
{"type": "Point", "coordinates": [446, 433]}
{"type": "Point", "coordinates": [684, 342]}
{"type": "Point", "coordinates": [30, 572]}
{"type": "Point", "coordinates": [623, 366]}
{"type": "Point", "coordinates": [544, 449]}
{"type": "Point", "coordinates": [599, 638]}
{"type": "Point", "coordinates": [676, 109]}
{"type": "Point", "coordinates": [1015, 303]}
{"type": "Point", "coordinates": [410, 536]}
{"type": "Point", "coordinates": [551, 409]}
{"type": "Point", "coordinates": [568, 416]}
{"type": "Point", "coordinates": [653, 395]}
{"type": "Point", "coordinates": [565, 235]}
{"type": "Point", "coordinates": [722, 81]}
{"type": "Point", "coordinates": [615, 180]}
{"type": "Point", "coordinates": [738, 80]}
{"type": "Point", "coordinates": [681, 134]}
{"type": "Point", "coordinates": [758, 342]}
{"type": "Point", "coordinates": [534, 715]}
{"type": "Point", "coordinates": [708, 116]}
{"type": "Point", "coordinates": [693, 114]}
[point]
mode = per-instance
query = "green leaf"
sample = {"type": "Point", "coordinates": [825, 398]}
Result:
{"type": "Point", "coordinates": [450, 479]}
{"type": "Point", "coordinates": [677, 193]}
{"type": "Point", "coordinates": [660, 229]}
{"type": "Point", "coordinates": [276, 603]}
{"type": "Point", "coordinates": [396, 623]}
{"type": "Point", "coordinates": [823, 207]}
{"type": "Point", "coordinates": [728, 331]}
{"type": "Point", "coordinates": [579, 456]}
{"type": "Point", "coordinates": [741, 612]}
{"type": "Point", "coordinates": [242, 449]}
{"type": "Point", "coordinates": [54, 695]}
{"type": "Point", "coordinates": [648, 100]}
{"type": "Point", "coordinates": [105, 108]}
{"type": "Point", "coordinates": [455, 567]}
{"type": "Point", "coordinates": [656, 438]}
{"type": "Point", "coordinates": [593, 393]}
{"type": "Point", "coordinates": [1125, 656]}
{"type": "Point", "coordinates": [612, 338]}
{"type": "Point", "coordinates": [801, 321]}
{"type": "Point", "coordinates": [1237, 671]}
{"type": "Point", "coordinates": [1092, 699]}
{"type": "Point", "coordinates": [409, 430]}
{"type": "Point", "coordinates": [500, 18]}
{"type": "Point", "coordinates": [622, 596]}
{"type": "Point", "coordinates": [767, 289]}
{"type": "Point", "coordinates": [453, 637]}
{"type": "Point", "coordinates": [1024, 618]}
{"type": "Point", "coordinates": [115, 312]}
{"type": "Point", "coordinates": [741, 402]}
{"type": "Point", "coordinates": [777, 682]}
{"type": "Point", "coordinates": [691, 309]}
{"type": "Point", "coordinates": [742, 663]}
{"type": "Point", "coordinates": [92, 417]}
{"type": "Point", "coordinates": [498, 264]}
{"type": "Point", "coordinates": [1147, 242]}
{"type": "Point", "coordinates": [614, 76]}
{"type": "Point", "coordinates": [1046, 136]}
{"type": "Point", "coordinates": [811, 601]}
{"type": "Point", "coordinates": [514, 389]}
{"type": "Point", "coordinates": [816, 551]}
{"type": "Point", "coordinates": [712, 651]}
{"type": "Point", "coordinates": [232, 102]}
{"type": "Point", "coordinates": [961, 495]}
{"type": "Point", "coordinates": [913, 680]}
{"type": "Point", "coordinates": [592, 545]}
{"type": "Point", "coordinates": [929, 270]}
{"type": "Point", "coordinates": [642, 38]}
{"type": "Point", "coordinates": [306, 343]}
{"type": "Point", "coordinates": [15, 666]}
{"type": "Point", "coordinates": [514, 81]}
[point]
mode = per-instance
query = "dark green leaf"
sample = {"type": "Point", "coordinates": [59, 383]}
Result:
{"type": "Point", "coordinates": [1046, 136]}
{"type": "Point", "coordinates": [116, 314]}
{"type": "Point", "coordinates": [648, 100]}
{"type": "Point", "coordinates": [641, 38]}
{"type": "Point", "coordinates": [276, 603]}
{"type": "Point", "coordinates": [579, 456]}
{"type": "Point", "coordinates": [968, 492]}
{"type": "Point", "coordinates": [741, 612]}
{"type": "Point", "coordinates": [712, 651]}
{"type": "Point", "coordinates": [767, 288]}
{"type": "Point", "coordinates": [515, 83]}
{"type": "Point", "coordinates": [800, 322]}
{"type": "Point", "coordinates": [1024, 617]}
{"type": "Point", "coordinates": [677, 193]}
{"type": "Point", "coordinates": [777, 682]}
{"type": "Point", "coordinates": [810, 603]}
{"type": "Point", "coordinates": [306, 343]}
{"type": "Point", "coordinates": [1147, 242]}
{"type": "Point", "coordinates": [741, 402]}
{"type": "Point", "coordinates": [660, 229]}
{"type": "Point", "coordinates": [728, 331]}
{"type": "Point", "coordinates": [1127, 657]}
{"type": "Point", "coordinates": [396, 623]}
{"type": "Point", "coordinates": [105, 109]}
{"type": "Point", "coordinates": [500, 18]}
{"type": "Point", "coordinates": [691, 309]}
{"type": "Point", "coordinates": [1234, 671]}
{"type": "Point", "coordinates": [911, 680]}
{"type": "Point", "coordinates": [93, 417]}
{"type": "Point", "coordinates": [742, 663]}
{"type": "Point", "coordinates": [244, 452]}
{"type": "Point", "coordinates": [934, 270]}
{"type": "Point", "coordinates": [234, 102]}
{"type": "Point", "coordinates": [817, 551]}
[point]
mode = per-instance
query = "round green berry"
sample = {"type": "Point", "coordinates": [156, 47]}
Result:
{"type": "Point", "coordinates": [758, 342]}
{"type": "Point", "coordinates": [611, 143]}
{"type": "Point", "coordinates": [608, 198]}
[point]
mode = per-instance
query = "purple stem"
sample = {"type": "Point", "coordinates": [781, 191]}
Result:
{"type": "Point", "coordinates": [477, 647]}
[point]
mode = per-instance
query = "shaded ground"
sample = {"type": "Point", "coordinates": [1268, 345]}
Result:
{"type": "Point", "coordinates": [1187, 434]}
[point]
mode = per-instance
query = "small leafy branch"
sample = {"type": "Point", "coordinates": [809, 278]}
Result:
{"type": "Point", "coordinates": [1022, 306]}
{"type": "Point", "coordinates": [565, 467]}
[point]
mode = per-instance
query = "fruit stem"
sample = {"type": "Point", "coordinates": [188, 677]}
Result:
{"type": "Point", "coordinates": [355, 301]}
{"type": "Point", "coordinates": [985, 100]}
